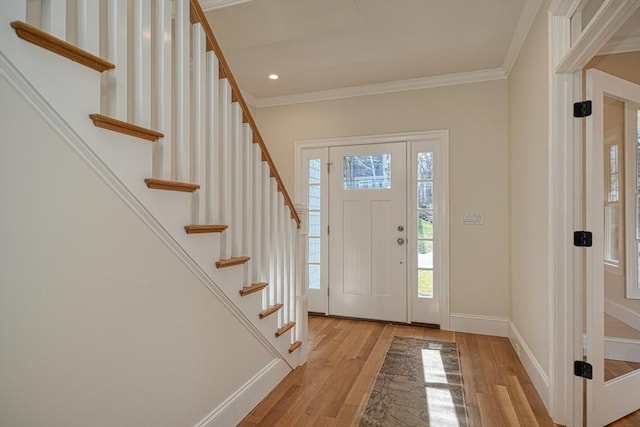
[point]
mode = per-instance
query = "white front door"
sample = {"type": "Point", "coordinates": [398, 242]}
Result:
{"type": "Point", "coordinates": [610, 396]}
{"type": "Point", "coordinates": [368, 231]}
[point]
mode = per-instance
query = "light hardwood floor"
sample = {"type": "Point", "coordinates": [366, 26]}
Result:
{"type": "Point", "coordinates": [344, 357]}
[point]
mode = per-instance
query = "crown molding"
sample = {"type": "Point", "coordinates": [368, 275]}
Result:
{"type": "Point", "coordinates": [380, 88]}
{"type": "Point", "coordinates": [527, 17]}
{"type": "Point", "coordinates": [208, 5]}
{"type": "Point", "coordinates": [630, 44]}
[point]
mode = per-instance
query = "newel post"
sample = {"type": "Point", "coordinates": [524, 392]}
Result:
{"type": "Point", "coordinates": [302, 303]}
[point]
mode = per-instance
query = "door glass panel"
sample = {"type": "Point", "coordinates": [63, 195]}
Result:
{"type": "Point", "coordinates": [425, 283]}
{"type": "Point", "coordinates": [583, 16]}
{"type": "Point", "coordinates": [313, 239]}
{"type": "Point", "coordinates": [424, 175]}
{"type": "Point", "coordinates": [425, 195]}
{"type": "Point", "coordinates": [368, 171]}
{"type": "Point", "coordinates": [619, 335]}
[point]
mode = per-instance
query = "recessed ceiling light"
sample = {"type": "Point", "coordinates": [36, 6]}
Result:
{"type": "Point", "coordinates": [274, 76]}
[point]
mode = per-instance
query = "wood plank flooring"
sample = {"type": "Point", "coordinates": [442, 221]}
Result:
{"type": "Point", "coordinates": [344, 356]}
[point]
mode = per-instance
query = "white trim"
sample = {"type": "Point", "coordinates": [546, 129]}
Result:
{"type": "Point", "coordinates": [630, 44]}
{"type": "Point", "coordinates": [478, 324]}
{"type": "Point", "coordinates": [386, 87]}
{"type": "Point", "coordinates": [208, 5]}
{"type": "Point", "coordinates": [622, 313]}
{"type": "Point", "coordinates": [527, 17]}
{"type": "Point", "coordinates": [622, 349]}
{"type": "Point", "coordinates": [239, 404]}
{"type": "Point", "coordinates": [441, 135]}
{"type": "Point", "coordinates": [538, 377]}
{"type": "Point", "coordinates": [609, 18]}
{"type": "Point", "coordinates": [78, 145]}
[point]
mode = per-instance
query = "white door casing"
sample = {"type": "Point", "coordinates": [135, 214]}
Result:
{"type": "Point", "coordinates": [367, 240]}
{"type": "Point", "coordinates": [610, 400]}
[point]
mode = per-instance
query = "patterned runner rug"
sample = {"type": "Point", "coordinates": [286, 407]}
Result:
{"type": "Point", "coordinates": [419, 384]}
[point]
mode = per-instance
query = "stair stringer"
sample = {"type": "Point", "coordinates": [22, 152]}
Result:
{"type": "Point", "coordinates": [123, 162]}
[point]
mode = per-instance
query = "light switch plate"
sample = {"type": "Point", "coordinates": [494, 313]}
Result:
{"type": "Point", "coordinates": [472, 219]}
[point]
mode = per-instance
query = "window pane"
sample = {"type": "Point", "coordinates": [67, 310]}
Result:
{"type": "Point", "coordinates": [314, 197]}
{"type": "Point", "coordinates": [366, 171]}
{"type": "Point", "coordinates": [613, 188]}
{"type": "Point", "coordinates": [314, 171]}
{"type": "Point", "coordinates": [425, 254]}
{"type": "Point", "coordinates": [425, 224]}
{"type": "Point", "coordinates": [314, 224]}
{"type": "Point", "coordinates": [425, 283]}
{"type": "Point", "coordinates": [611, 232]}
{"type": "Point", "coordinates": [425, 195]}
{"type": "Point", "coordinates": [314, 249]}
{"type": "Point", "coordinates": [314, 276]}
{"type": "Point", "coordinates": [425, 166]}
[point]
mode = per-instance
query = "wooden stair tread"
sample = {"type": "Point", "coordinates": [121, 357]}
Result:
{"type": "Point", "coordinates": [106, 122]}
{"type": "Point", "coordinates": [195, 229]}
{"type": "Point", "coordinates": [285, 328]}
{"type": "Point", "coordinates": [53, 44]}
{"type": "Point", "coordinates": [161, 184]}
{"type": "Point", "coordinates": [296, 345]}
{"type": "Point", "coordinates": [248, 290]}
{"type": "Point", "coordinates": [270, 310]}
{"type": "Point", "coordinates": [232, 261]}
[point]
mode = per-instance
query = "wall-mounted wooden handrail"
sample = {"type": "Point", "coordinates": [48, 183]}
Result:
{"type": "Point", "coordinates": [197, 15]}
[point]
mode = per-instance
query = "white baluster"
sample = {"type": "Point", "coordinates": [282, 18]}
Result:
{"type": "Point", "coordinates": [181, 82]}
{"type": "Point", "coordinates": [273, 215]}
{"type": "Point", "coordinates": [141, 64]}
{"type": "Point", "coordinates": [54, 18]}
{"type": "Point", "coordinates": [117, 92]}
{"type": "Point", "coordinates": [225, 167]}
{"type": "Point", "coordinates": [88, 19]}
{"type": "Point", "coordinates": [236, 192]}
{"type": "Point", "coordinates": [265, 272]}
{"type": "Point", "coordinates": [292, 260]}
{"type": "Point", "coordinates": [301, 283]}
{"type": "Point", "coordinates": [256, 214]}
{"type": "Point", "coordinates": [198, 157]}
{"type": "Point", "coordinates": [213, 215]}
{"type": "Point", "coordinates": [162, 156]}
{"type": "Point", "coordinates": [282, 253]}
{"type": "Point", "coordinates": [247, 203]}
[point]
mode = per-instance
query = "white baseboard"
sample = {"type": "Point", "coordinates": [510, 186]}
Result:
{"type": "Point", "coordinates": [539, 378]}
{"type": "Point", "coordinates": [240, 403]}
{"type": "Point", "coordinates": [476, 324]}
{"type": "Point", "coordinates": [622, 313]}
{"type": "Point", "coordinates": [622, 349]}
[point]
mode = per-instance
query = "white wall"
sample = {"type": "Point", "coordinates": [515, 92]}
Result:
{"type": "Point", "coordinates": [476, 116]}
{"type": "Point", "coordinates": [100, 323]}
{"type": "Point", "coordinates": [528, 194]}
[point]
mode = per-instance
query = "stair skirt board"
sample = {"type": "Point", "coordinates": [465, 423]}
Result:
{"type": "Point", "coordinates": [78, 145]}
{"type": "Point", "coordinates": [232, 410]}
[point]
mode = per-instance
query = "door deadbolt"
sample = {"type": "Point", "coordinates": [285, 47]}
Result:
{"type": "Point", "coordinates": [400, 241]}
{"type": "Point", "coordinates": [400, 228]}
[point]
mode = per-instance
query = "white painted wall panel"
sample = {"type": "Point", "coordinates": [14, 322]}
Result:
{"type": "Point", "coordinates": [99, 320]}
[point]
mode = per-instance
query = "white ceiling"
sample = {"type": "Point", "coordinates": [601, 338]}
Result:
{"type": "Point", "coordinates": [324, 48]}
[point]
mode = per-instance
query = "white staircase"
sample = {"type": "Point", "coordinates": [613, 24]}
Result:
{"type": "Point", "coordinates": [152, 99]}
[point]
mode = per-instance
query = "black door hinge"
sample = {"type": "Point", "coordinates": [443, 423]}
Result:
{"type": "Point", "coordinates": [582, 369]}
{"type": "Point", "coordinates": [582, 109]}
{"type": "Point", "coordinates": [583, 239]}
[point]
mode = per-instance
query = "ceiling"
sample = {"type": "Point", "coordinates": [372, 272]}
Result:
{"type": "Point", "coordinates": [323, 49]}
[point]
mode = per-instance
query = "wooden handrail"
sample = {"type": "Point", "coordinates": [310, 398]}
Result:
{"type": "Point", "coordinates": [197, 15]}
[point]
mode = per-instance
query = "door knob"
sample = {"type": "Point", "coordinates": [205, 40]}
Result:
{"type": "Point", "coordinates": [400, 241]}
